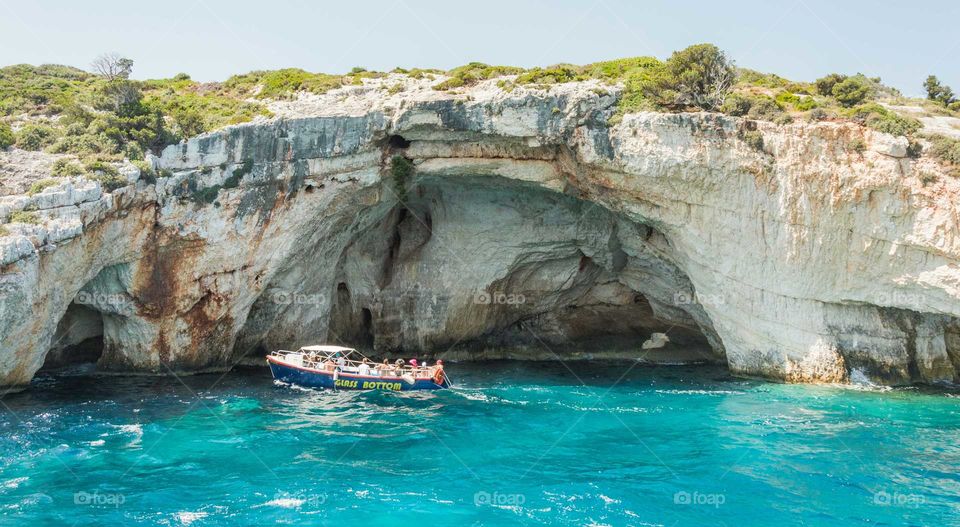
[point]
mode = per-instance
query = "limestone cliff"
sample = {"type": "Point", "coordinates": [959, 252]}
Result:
{"type": "Point", "coordinates": [530, 227]}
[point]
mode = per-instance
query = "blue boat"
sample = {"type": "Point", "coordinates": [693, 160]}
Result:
{"type": "Point", "coordinates": [340, 368]}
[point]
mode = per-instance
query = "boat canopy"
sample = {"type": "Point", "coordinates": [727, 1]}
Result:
{"type": "Point", "coordinates": [328, 349]}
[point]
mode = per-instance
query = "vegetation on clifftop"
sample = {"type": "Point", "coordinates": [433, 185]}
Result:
{"type": "Point", "coordinates": [102, 117]}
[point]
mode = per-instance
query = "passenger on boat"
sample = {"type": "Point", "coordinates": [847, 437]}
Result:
{"type": "Point", "coordinates": [364, 368]}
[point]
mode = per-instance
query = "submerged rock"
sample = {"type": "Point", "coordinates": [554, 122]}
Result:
{"type": "Point", "coordinates": [530, 228]}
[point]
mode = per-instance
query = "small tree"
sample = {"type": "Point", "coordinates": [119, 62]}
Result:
{"type": "Point", "coordinates": [825, 84]}
{"type": "Point", "coordinates": [851, 92]}
{"type": "Point", "coordinates": [698, 76]}
{"type": "Point", "coordinates": [112, 66]}
{"type": "Point", "coordinates": [188, 122]}
{"type": "Point", "coordinates": [938, 92]}
{"type": "Point", "coordinates": [123, 95]}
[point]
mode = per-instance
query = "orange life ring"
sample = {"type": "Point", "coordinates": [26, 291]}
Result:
{"type": "Point", "coordinates": [438, 376]}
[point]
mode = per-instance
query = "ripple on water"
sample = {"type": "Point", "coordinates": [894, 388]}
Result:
{"type": "Point", "coordinates": [513, 443]}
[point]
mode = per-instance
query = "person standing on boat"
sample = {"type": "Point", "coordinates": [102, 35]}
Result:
{"type": "Point", "coordinates": [364, 368]}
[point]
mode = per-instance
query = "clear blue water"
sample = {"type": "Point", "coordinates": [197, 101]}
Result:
{"type": "Point", "coordinates": [513, 444]}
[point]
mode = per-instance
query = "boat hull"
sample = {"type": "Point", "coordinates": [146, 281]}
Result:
{"type": "Point", "coordinates": [311, 378]}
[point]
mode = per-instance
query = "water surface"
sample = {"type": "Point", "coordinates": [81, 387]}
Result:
{"type": "Point", "coordinates": [513, 444]}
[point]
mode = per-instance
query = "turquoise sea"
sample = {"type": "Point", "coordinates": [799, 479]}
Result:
{"type": "Point", "coordinates": [512, 444]}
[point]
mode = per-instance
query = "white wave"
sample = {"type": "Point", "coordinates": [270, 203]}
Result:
{"type": "Point", "coordinates": [608, 500]}
{"type": "Point", "coordinates": [186, 517]}
{"type": "Point", "coordinates": [860, 381]}
{"type": "Point", "coordinates": [13, 483]}
{"type": "Point", "coordinates": [286, 503]}
{"type": "Point", "coordinates": [699, 392]}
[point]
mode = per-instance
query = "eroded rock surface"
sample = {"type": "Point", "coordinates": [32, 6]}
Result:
{"type": "Point", "coordinates": [531, 229]}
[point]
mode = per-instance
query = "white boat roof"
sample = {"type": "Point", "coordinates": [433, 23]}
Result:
{"type": "Point", "coordinates": [329, 349]}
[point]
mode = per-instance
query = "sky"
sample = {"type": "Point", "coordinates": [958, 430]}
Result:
{"type": "Point", "coordinates": [901, 42]}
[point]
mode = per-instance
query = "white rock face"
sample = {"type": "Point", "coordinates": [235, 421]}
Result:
{"type": "Point", "coordinates": [531, 229]}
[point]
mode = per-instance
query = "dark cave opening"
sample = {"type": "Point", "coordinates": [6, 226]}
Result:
{"type": "Point", "coordinates": [366, 329]}
{"type": "Point", "coordinates": [398, 142]}
{"type": "Point", "coordinates": [78, 339]}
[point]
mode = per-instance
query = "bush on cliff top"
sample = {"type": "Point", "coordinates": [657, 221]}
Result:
{"type": "Point", "coordinates": [281, 84]}
{"type": "Point", "coordinates": [947, 150]}
{"type": "Point", "coordinates": [6, 136]}
{"type": "Point", "coordinates": [699, 76]}
{"type": "Point", "coordinates": [472, 73]}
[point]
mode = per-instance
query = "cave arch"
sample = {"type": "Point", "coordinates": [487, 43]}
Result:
{"type": "Point", "coordinates": [479, 266]}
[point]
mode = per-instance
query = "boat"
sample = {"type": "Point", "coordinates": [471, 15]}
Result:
{"type": "Point", "coordinates": [341, 368]}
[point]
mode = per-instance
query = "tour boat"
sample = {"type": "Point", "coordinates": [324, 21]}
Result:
{"type": "Point", "coordinates": [340, 368]}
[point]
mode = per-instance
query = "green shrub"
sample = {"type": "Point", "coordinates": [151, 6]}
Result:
{"type": "Point", "coordinates": [817, 114]}
{"type": "Point", "coordinates": [471, 74]}
{"type": "Point", "coordinates": [850, 92]}
{"type": "Point", "coordinates": [6, 136]}
{"type": "Point", "coordinates": [764, 108]}
{"type": "Point", "coordinates": [35, 137]}
{"type": "Point", "coordinates": [245, 168]}
{"type": "Point", "coordinates": [402, 170]}
{"type": "Point", "coordinates": [764, 80]}
{"type": "Point", "coordinates": [894, 124]}
{"type": "Point", "coordinates": [737, 105]}
{"type": "Point", "coordinates": [824, 85]}
{"type": "Point", "coordinates": [783, 118]}
{"type": "Point", "coordinates": [946, 149]}
{"type": "Point", "coordinates": [206, 195]}
{"type": "Point", "coordinates": [881, 119]}
{"type": "Point", "coordinates": [805, 104]}
{"type": "Point", "coordinates": [753, 139]}
{"type": "Point", "coordinates": [699, 76]}
{"type": "Point", "coordinates": [857, 145]}
{"type": "Point", "coordinates": [281, 84]}
{"type": "Point", "coordinates": [784, 98]}
{"type": "Point", "coordinates": [147, 173]}
{"type": "Point", "coordinates": [552, 75]}
{"type": "Point", "coordinates": [188, 122]}
{"type": "Point", "coordinates": [23, 216]}
{"type": "Point", "coordinates": [4, 231]}
{"type": "Point", "coordinates": [108, 175]}
{"type": "Point", "coordinates": [38, 186]}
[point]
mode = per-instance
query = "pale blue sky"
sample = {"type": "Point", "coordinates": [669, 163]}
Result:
{"type": "Point", "coordinates": [902, 42]}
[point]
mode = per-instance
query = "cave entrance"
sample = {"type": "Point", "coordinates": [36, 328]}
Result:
{"type": "Point", "coordinates": [366, 328]}
{"type": "Point", "coordinates": [483, 267]}
{"type": "Point", "coordinates": [78, 340]}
